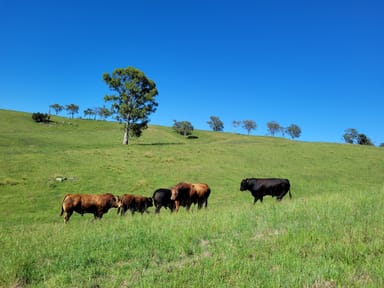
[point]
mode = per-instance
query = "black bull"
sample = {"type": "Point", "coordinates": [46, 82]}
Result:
{"type": "Point", "coordinates": [275, 187]}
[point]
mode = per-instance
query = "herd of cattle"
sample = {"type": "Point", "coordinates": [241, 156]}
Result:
{"type": "Point", "coordinates": [182, 194]}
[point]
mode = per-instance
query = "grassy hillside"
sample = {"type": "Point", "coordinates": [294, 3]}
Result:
{"type": "Point", "coordinates": [330, 234]}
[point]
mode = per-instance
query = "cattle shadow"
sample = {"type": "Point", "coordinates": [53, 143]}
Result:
{"type": "Point", "coordinates": [159, 144]}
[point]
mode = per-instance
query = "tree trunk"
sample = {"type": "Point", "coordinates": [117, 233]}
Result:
{"type": "Point", "coordinates": [126, 129]}
{"type": "Point", "coordinates": [126, 134]}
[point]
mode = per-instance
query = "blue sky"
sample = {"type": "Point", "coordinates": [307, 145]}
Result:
{"type": "Point", "coordinates": [317, 64]}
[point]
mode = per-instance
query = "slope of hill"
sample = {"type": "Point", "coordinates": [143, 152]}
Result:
{"type": "Point", "coordinates": [337, 200]}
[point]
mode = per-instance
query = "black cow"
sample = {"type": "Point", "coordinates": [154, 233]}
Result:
{"type": "Point", "coordinates": [275, 187]}
{"type": "Point", "coordinates": [162, 198]}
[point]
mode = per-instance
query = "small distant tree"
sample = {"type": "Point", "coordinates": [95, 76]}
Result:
{"type": "Point", "coordinates": [183, 127]}
{"type": "Point", "coordinates": [58, 108]}
{"type": "Point", "coordinates": [216, 124]}
{"type": "Point", "coordinates": [236, 123]}
{"type": "Point", "coordinates": [294, 131]}
{"type": "Point", "coordinates": [88, 113]}
{"type": "Point", "coordinates": [72, 109]}
{"type": "Point", "coordinates": [134, 100]}
{"type": "Point", "coordinates": [96, 112]}
{"type": "Point", "coordinates": [273, 127]}
{"type": "Point", "coordinates": [104, 113]}
{"type": "Point", "coordinates": [351, 136]}
{"type": "Point", "coordinates": [364, 140]}
{"type": "Point", "coordinates": [249, 125]}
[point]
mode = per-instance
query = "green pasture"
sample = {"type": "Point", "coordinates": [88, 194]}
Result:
{"type": "Point", "coordinates": [330, 234]}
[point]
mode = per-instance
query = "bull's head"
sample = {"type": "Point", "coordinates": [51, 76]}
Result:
{"type": "Point", "coordinates": [149, 202]}
{"type": "Point", "coordinates": [174, 193]}
{"type": "Point", "coordinates": [115, 201]}
{"type": "Point", "coordinates": [244, 184]}
{"type": "Point", "coordinates": [119, 203]}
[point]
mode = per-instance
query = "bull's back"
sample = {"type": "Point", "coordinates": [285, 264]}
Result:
{"type": "Point", "coordinates": [201, 189]}
{"type": "Point", "coordinates": [161, 194]}
{"type": "Point", "coordinates": [128, 199]}
{"type": "Point", "coordinates": [265, 183]}
{"type": "Point", "coordinates": [71, 201]}
{"type": "Point", "coordinates": [81, 202]}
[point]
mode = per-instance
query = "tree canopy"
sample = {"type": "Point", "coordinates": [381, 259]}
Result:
{"type": "Point", "coordinates": [294, 131]}
{"type": "Point", "coordinates": [273, 127]}
{"type": "Point", "coordinates": [216, 124]}
{"type": "Point", "coordinates": [183, 127]}
{"type": "Point", "coordinates": [352, 136]}
{"type": "Point", "coordinates": [72, 109]}
{"type": "Point", "coordinates": [57, 107]}
{"type": "Point", "coordinates": [249, 125]}
{"type": "Point", "coordinates": [133, 101]}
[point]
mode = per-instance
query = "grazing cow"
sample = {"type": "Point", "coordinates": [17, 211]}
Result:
{"type": "Point", "coordinates": [88, 203]}
{"type": "Point", "coordinates": [185, 194]}
{"type": "Point", "coordinates": [162, 198]}
{"type": "Point", "coordinates": [142, 203]}
{"type": "Point", "coordinates": [266, 186]}
{"type": "Point", "coordinates": [134, 203]}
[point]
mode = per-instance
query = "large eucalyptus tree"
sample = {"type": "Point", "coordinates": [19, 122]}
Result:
{"type": "Point", "coordinates": [133, 101]}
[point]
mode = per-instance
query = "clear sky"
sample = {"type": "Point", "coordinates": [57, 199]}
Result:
{"type": "Point", "coordinates": [316, 64]}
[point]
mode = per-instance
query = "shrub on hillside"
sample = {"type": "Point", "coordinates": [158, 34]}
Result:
{"type": "Point", "coordinates": [41, 117]}
{"type": "Point", "coordinates": [183, 127]}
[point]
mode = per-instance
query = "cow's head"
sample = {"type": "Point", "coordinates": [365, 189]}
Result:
{"type": "Point", "coordinates": [181, 191]}
{"type": "Point", "coordinates": [174, 192]}
{"type": "Point", "coordinates": [149, 201]}
{"type": "Point", "coordinates": [119, 201]}
{"type": "Point", "coordinates": [244, 184]}
{"type": "Point", "coordinates": [113, 200]}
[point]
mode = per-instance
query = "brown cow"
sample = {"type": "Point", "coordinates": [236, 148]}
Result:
{"type": "Point", "coordinates": [88, 203]}
{"type": "Point", "coordinates": [185, 194]}
{"type": "Point", "coordinates": [134, 203]}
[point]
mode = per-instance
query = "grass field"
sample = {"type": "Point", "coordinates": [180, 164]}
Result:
{"type": "Point", "coordinates": [330, 234]}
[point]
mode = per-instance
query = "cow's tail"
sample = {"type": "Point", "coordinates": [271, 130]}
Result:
{"type": "Point", "coordinates": [62, 208]}
{"type": "Point", "coordinates": [289, 192]}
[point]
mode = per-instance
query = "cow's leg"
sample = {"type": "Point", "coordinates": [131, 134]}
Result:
{"type": "Point", "coordinates": [206, 203]}
{"type": "Point", "coordinates": [158, 209]}
{"type": "Point", "coordinates": [177, 205]}
{"type": "Point", "coordinates": [257, 198]}
{"type": "Point", "coordinates": [188, 205]}
{"type": "Point", "coordinates": [145, 208]}
{"type": "Point", "coordinates": [98, 214]}
{"type": "Point", "coordinates": [67, 216]}
{"type": "Point", "coordinates": [281, 196]}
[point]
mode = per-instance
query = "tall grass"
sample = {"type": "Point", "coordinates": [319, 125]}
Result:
{"type": "Point", "coordinates": [330, 234]}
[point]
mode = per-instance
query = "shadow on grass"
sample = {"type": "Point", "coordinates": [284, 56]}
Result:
{"type": "Point", "coordinates": [158, 144]}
